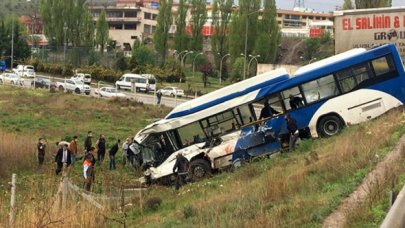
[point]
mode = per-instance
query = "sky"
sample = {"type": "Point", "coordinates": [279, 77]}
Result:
{"type": "Point", "coordinates": [322, 5]}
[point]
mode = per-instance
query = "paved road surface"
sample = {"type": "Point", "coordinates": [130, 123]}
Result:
{"type": "Point", "coordinates": [142, 97]}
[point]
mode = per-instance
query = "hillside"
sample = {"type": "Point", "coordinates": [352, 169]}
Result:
{"type": "Point", "coordinates": [298, 189]}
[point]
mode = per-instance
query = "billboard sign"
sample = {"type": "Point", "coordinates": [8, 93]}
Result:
{"type": "Point", "coordinates": [369, 28]}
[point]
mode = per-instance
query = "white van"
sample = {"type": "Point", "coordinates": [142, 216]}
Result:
{"type": "Point", "coordinates": [25, 71]}
{"type": "Point", "coordinates": [143, 82]}
{"type": "Point", "coordinates": [85, 78]}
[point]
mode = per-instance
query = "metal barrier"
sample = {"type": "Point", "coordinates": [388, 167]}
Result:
{"type": "Point", "coordinates": [396, 215]}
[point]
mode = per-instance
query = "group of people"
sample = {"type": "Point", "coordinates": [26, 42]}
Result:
{"type": "Point", "coordinates": [67, 154]}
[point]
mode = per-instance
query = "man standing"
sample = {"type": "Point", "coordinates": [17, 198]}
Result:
{"type": "Point", "coordinates": [100, 148]}
{"type": "Point", "coordinates": [73, 149]}
{"type": "Point", "coordinates": [158, 96]}
{"type": "Point", "coordinates": [293, 129]}
{"type": "Point", "coordinates": [41, 151]}
{"type": "Point", "coordinates": [267, 111]}
{"type": "Point", "coordinates": [63, 157]}
{"type": "Point", "coordinates": [88, 168]}
{"type": "Point", "coordinates": [113, 151]}
{"type": "Point", "coordinates": [87, 142]}
{"type": "Point", "coordinates": [125, 151]}
{"type": "Point", "coordinates": [181, 166]}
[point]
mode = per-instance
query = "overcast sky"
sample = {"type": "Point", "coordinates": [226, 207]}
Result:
{"type": "Point", "coordinates": [322, 5]}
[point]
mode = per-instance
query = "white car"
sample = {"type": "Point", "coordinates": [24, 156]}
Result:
{"type": "Point", "coordinates": [86, 78]}
{"type": "Point", "coordinates": [25, 71]}
{"type": "Point", "coordinates": [172, 91]}
{"type": "Point", "coordinates": [11, 78]}
{"type": "Point", "coordinates": [109, 92]}
{"type": "Point", "coordinates": [74, 86]}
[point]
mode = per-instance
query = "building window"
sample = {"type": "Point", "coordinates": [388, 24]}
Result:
{"type": "Point", "coordinates": [130, 26]}
{"type": "Point", "coordinates": [147, 28]}
{"type": "Point", "coordinates": [154, 17]}
{"type": "Point", "coordinates": [147, 16]}
{"type": "Point", "coordinates": [153, 29]}
{"type": "Point", "coordinates": [114, 14]}
{"type": "Point", "coordinates": [130, 14]}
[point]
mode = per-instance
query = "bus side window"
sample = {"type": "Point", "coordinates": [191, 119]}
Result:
{"type": "Point", "coordinates": [320, 88]}
{"type": "Point", "coordinates": [383, 65]}
{"type": "Point", "coordinates": [292, 98]}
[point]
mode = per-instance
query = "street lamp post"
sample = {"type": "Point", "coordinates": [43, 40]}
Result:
{"type": "Point", "coordinates": [12, 43]}
{"type": "Point", "coordinates": [246, 41]}
{"type": "Point", "coordinates": [180, 53]}
{"type": "Point", "coordinates": [220, 68]}
{"type": "Point", "coordinates": [182, 59]}
{"type": "Point", "coordinates": [64, 43]}
{"type": "Point", "coordinates": [250, 61]}
{"type": "Point", "coordinates": [195, 57]}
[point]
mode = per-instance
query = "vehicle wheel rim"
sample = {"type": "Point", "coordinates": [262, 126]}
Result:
{"type": "Point", "coordinates": [331, 127]}
{"type": "Point", "coordinates": [199, 172]}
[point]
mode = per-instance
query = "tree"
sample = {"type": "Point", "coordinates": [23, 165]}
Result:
{"type": "Point", "coordinates": [237, 69]}
{"type": "Point", "coordinates": [206, 70]}
{"type": "Point", "coordinates": [197, 21]}
{"type": "Point", "coordinates": [221, 16]}
{"type": "Point", "coordinates": [180, 37]}
{"type": "Point", "coordinates": [161, 35]}
{"type": "Point", "coordinates": [268, 37]}
{"type": "Point", "coordinates": [366, 4]}
{"type": "Point", "coordinates": [102, 31]}
{"type": "Point", "coordinates": [248, 14]}
{"type": "Point", "coordinates": [70, 18]}
{"type": "Point", "coordinates": [348, 4]}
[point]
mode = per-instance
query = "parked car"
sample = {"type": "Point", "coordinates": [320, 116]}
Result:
{"type": "Point", "coordinates": [42, 83]}
{"type": "Point", "coordinates": [25, 71]}
{"type": "Point", "coordinates": [74, 86]}
{"type": "Point", "coordinates": [172, 91]}
{"type": "Point", "coordinates": [109, 92]}
{"type": "Point", "coordinates": [86, 78]}
{"type": "Point", "coordinates": [11, 78]}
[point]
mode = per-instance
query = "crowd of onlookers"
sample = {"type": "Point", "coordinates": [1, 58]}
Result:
{"type": "Point", "coordinates": [67, 154]}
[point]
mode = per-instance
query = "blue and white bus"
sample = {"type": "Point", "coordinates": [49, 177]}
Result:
{"type": "Point", "coordinates": [223, 127]}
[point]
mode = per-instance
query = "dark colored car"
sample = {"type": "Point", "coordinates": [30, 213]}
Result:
{"type": "Point", "coordinates": [42, 83]}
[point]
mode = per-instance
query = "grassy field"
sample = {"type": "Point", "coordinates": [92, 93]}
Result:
{"type": "Point", "coordinates": [292, 190]}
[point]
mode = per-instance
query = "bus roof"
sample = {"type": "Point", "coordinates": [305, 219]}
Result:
{"type": "Point", "coordinates": [217, 101]}
{"type": "Point", "coordinates": [228, 93]}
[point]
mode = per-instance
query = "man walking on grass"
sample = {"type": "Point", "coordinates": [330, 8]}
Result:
{"type": "Point", "coordinates": [41, 151]}
{"type": "Point", "coordinates": [88, 168]}
{"type": "Point", "coordinates": [113, 151]}
{"type": "Point", "coordinates": [87, 142]}
{"type": "Point", "coordinates": [73, 149]}
{"type": "Point", "coordinates": [62, 158]}
{"type": "Point", "coordinates": [181, 166]}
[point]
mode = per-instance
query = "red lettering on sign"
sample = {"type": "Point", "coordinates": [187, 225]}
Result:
{"type": "Point", "coordinates": [346, 24]}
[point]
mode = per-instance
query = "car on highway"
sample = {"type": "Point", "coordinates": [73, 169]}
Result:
{"type": "Point", "coordinates": [172, 91]}
{"type": "Point", "coordinates": [86, 78]}
{"type": "Point", "coordinates": [11, 78]}
{"type": "Point", "coordinates": [109, 92]}
{"type": "Point", "coordinates": [25, 71]}
{"type": "Point", "coordinates": [74, 86]}
{"type": "Point", "coordinates": [40, 82]}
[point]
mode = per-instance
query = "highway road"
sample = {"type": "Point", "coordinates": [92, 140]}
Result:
{"type": "Point", "coordinates": [141, 97]}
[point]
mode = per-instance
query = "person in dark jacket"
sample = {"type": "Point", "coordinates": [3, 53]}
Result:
{"type": "Point", "coordinates": [293, 130]}
{"type": "Point", "coordinates": [267, 111]}
{"type": "Point", "coordinates": [88, 143]}
{"type": "Point", "coordinates": [63, 157]}
{"type": "Point", "coordinates": [181, 169]}
{"type": "Point", "coordinates": [41, 151]}
{"type": "Point", "coordinates": [112, 152]}
{"type": "Point", "coordinates": [100, 148]}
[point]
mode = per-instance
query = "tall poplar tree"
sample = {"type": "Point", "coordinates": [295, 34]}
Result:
{"type": "Point", "coordinates": [102, 31]}
{"type": "Point", "coordinates": [197, 21]}
{"type": "Point", "coordinates": [180, 37]}
{"type": "Point", "coordinates": [348, 4]}
{"type": "Point", "coordinates": [221, 16]}
{"type": "Point", "coordinates": [268, 37]}
{"type": "Point", "coordinates": [161, 35]}
{"type": "Point", "coordinates": [365, 4]}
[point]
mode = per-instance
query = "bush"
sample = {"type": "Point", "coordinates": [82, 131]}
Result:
{"type": "Point", "coordinates": [153, 203]}
{"type": "Point", "coordinates": [189, 211]}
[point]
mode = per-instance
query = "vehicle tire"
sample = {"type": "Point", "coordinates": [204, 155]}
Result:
{"type": "Point", "coordinates": [137, 90]}
{"type": "Point", "coordinates": [12, 83]}
{"type": "Point", "coordinates": [329, 126]}
{"type": "Point", "coordinates": [118, 87]}
{"type": "Point", "coordinates": [77, 90]}
{"type": "Point", "coordinates": [172, 95]}
{"type": "Point", "coordinates": [61, 88]}
{"type": "Point", "coordinates": [87, 93]}
{"type": "Point", "coordinates": [199, 169]}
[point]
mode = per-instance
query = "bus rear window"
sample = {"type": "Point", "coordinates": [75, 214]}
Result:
{"type": "Point", "coordinates": [383, 65]}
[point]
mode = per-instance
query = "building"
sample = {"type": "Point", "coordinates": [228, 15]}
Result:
{"type": "Point", "coordinates": [128, 20]}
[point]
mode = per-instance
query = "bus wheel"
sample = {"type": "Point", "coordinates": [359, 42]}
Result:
{"type": "Point", "coordinates": [329, 125]}
{"type": "Point", "coordinates": [199, 169]}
